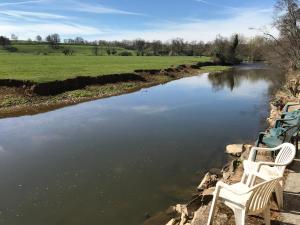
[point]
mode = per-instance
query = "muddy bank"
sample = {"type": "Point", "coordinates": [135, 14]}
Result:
{"type": "Point", "coordinates": [195, 211]}
{"type": "Point", "coordinates": [27, 98]}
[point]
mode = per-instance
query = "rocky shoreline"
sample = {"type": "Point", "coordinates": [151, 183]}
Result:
{"type": "Point", "coordinates": [195, 212]}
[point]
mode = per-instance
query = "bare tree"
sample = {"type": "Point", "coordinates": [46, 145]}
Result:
{"type": "Point", "coordinates": [95, 50]}
{"type": "Point", "coordinates": [224, 51]}
{"type": "Point", "coordinates": [257, 48]}
{"type": "Point", "coordinates": [79, 40]}
{"type": "Point", "coordinates": [53, 40]}
{"type": "Point", "coordinates": [4, 41]}
{"type": "Point", "coordinates": [140, 46]}
{"type": "Point", "coordinates": [177, 46]}
{"type": "Point", "coordinates": [156, 47]}
{"type": "Point", "coordinates": [13, 37]}
{"type": "Point", "coordinates": [38, 38]}
{"type": "Point", "coordinates": [286, 48]}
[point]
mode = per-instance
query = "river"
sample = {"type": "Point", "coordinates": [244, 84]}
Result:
{"type": "Point", "coordinates": [115, 160]}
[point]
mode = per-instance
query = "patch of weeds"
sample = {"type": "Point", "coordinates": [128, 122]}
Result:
{"type": "Point", "coordinates": [236, 163]}
{"type": "Point", "coordinates": [128, 85]}
{"type": "Point", "coordinates": [79, 94]}
{"type": "Point", "coordinates": [13, 101]}
{"type": "Point", "coordinates": [214, 68]}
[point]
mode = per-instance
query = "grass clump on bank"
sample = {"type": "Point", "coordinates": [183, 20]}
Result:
{"type": "Point", "coordinates": [13, 101]}
{"type": "Point", "coordinates": [40, 68]}
{"type": "Point", "coordinates": [214, 68]}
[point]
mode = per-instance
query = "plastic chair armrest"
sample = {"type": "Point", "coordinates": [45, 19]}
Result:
{"type": "Point", "coordinates": [260, 164]}
{"type": "Point", "coordinates": [286, 107]}
{"type": "Point", "coordinates": [253, 151]}
{"type": "Point", "coordinates": [221, 184]}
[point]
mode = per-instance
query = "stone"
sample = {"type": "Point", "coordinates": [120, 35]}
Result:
{"type": "Point", "coordinates": [201, 215]}
{"type": "Point", "coordinates": [234, 149]}
{"type": "Point", "coordinates": [228, 170]}
{"type": "Point", "coordinates": [33, 87]}
{"type": "Point", "coordinates": [171, 222]}
{"type": "Point", "coordinates": [208, 181]}
{"type": "Point", "coordinates": [147, 215]}
{"type": "Point", "coordinates": [209, 191]}
{"type": "Point", "coordinates": [216, 171]}
{"type": "Point", "coordinates": [183, 219]}
{"type": "Point", "coordinates": [181, 209]}
{"type": "Point", "coordinates": [237, 149]}
{"type": "Point", "coordinates": [200, 200]}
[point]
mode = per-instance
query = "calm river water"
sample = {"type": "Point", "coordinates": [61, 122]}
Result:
{"type": "Point", "coordinates": [112, 161]}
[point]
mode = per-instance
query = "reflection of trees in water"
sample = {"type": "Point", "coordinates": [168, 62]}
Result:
{"type": "Point", "coordinates": [234, 78]}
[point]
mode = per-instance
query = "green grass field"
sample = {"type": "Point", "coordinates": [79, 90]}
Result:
{"type": "Point", "coordinates": [41, 68]}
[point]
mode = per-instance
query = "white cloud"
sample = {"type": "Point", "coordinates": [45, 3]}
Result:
{"type": "Point", "coordinates": [205, 30]}
{"type": "Point", "coordinates": [26, 14]}
{"type": "Point", "coordinates": [214, 4]}
{"type": "Point", "coordinates": [101, 9]}
{"type": "Point", "coordinates": [19, 3]}
{"type": "Point", "coordinates": [24, 31]}
{"type": "Point", "coordinates": [196, 82]}
{"type": "Point", "coordinates": [239, 21]}
{"type": "Point", "coordinates": [148, 109]}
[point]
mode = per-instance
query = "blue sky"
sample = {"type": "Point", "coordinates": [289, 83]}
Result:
{"type": "Point", "coordinates": [131, 19]}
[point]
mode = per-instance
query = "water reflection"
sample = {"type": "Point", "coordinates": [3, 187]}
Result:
{"type": "Point", "coordinates": [233, 79]}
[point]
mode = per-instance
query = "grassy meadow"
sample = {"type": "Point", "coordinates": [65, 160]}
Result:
{"type": "Point", "coordinates": [40, 63]}
{"type": "Point", "coordinates": [43, 68]}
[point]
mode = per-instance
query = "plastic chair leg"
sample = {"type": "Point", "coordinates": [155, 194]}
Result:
{"type": "Point", "coordinates": [240, 216]}
{"type": "Point", "coordinates": [279, 196]}
{"type": "Point", "coordinates": [212, 210]}
{"type": "Point", "coordinates": [267, 216]}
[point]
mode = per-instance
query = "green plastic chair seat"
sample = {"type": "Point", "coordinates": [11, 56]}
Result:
{"type": "Point", "coordinates": [272, 141]}
{"type": "Point", "coordinates": [291, 122]}
{"type": "Point", "coordinates": [291, 115]}
{"type": "Point", "coordinates": [276, 131]}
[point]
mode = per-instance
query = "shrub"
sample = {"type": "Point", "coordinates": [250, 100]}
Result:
{"type": "Point", "coordinates": [68, 51]}
{"type": "Point", "coordinates": [4, 42]}
{"type": "Point", "coordinates": [125, 53]}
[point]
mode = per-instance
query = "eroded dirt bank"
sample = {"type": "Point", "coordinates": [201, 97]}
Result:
{"type": "Point", "coordinates": [26, 97]}
{"type": "Point", "coordinates": [195, 211]}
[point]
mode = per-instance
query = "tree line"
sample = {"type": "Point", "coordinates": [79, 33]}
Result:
{"type": "Point", "coordinates": [225, 50]}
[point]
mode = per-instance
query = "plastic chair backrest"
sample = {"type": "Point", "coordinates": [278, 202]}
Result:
{"type": "Point", "coordinates": [260, 196]}
{"type": "Point", "coordinates": [285, 156]}
{"type": "Point", "coordinates": [290, 132]}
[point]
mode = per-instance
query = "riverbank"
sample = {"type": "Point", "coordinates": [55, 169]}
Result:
{"type": "Point", "coordinates": [27, 98]}
{"type": "Point", "coordinates": [195, 212]}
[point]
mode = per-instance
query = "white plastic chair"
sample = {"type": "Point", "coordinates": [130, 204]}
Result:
{"type": "Point", "coordinates": [245, 200]}
{"type": "Point", "coordinates": [270, 170]}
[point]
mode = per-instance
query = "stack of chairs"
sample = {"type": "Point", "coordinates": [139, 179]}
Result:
{"type": "Point", "coordinates": [252, 195]}
{"type": "Point", "coordinates": [286, 129]}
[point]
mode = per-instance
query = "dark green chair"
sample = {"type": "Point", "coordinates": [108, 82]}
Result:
{"type": "Point", "coordinates": [279, 135]}
{"type": "Point", "coordinates": [290, 115]}
{"type": "Point", "coordinates": [286, 107]}
{"type": "Point", "coordinates": [286, 130]}
{"type": "Point", "coordinates": [288, 121]}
